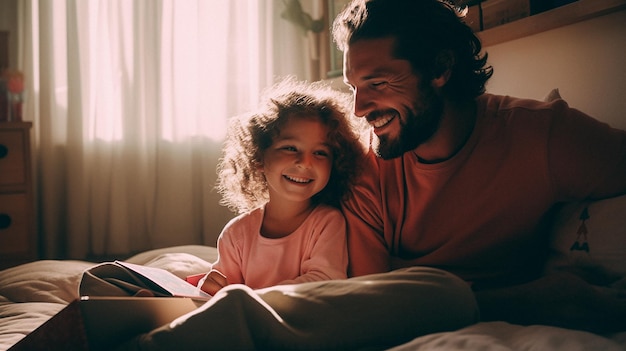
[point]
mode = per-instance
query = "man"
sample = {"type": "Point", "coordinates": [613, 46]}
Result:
{"type": "Point", "coordinates": [463, 180]}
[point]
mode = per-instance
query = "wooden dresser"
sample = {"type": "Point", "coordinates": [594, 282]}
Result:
{"type": "Point", "coordinates": [18, 237]}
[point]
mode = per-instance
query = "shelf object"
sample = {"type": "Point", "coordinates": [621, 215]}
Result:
{"type": "Point", "coordinates": [558, 17]}
{"type": "Point", "coordinates": [577, 11]}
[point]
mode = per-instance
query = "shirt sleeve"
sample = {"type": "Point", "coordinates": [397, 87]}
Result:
{"type": "Point", "coordinates": [367, 249]}
{"type": "Point", "coordinates": [229, 258]}
{"type": "Point", "coordinates": [327, 256]}
{"type": "Point", "coordinates": [587, 158]}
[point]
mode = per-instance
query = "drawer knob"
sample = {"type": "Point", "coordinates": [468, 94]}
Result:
{"type": "Point", "coordinates": [5, 221]}
{"type": "Point", "coordinates": [3, 151]}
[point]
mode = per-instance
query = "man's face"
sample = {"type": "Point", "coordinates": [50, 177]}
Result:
{"type": "Point", "coordinates": [403, 110]}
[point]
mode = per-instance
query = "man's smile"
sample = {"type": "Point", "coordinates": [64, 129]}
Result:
{"type": "Point", "coordinates": [382, 120]}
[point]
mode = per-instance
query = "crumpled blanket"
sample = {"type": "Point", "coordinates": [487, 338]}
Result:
{"type": "Point", "coordinates": [502, 336]}
{"type": "Point", "coordinates": [32, 293]}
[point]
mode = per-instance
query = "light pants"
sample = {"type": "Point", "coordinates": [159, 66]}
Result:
{"type": "Point", "coordinates": [370, 312]}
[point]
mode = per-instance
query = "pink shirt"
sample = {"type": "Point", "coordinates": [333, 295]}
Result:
{"type": "Point", "coordinates": [478, 213]}
{"type": "Point", "coordinates": [315, 251]}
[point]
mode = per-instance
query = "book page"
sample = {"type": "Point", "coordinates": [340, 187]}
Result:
{"type": "Point", "coordinates": [167, 280]}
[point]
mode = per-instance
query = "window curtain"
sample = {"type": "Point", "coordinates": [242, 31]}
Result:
{"type": "Point", "coordinates": [129, 101]}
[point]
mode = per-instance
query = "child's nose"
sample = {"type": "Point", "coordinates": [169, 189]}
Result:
{"type": "Point", "coordinates": [304, 160]}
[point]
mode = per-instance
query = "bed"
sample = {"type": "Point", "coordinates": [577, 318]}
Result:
{"type": "Point", "coordinates": [585, 234]}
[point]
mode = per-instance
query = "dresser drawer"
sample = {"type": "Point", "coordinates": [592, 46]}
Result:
{"type": "Point", "coordinates": [14, 225]}
{"type": "Point", "coordinates": [12, 157]}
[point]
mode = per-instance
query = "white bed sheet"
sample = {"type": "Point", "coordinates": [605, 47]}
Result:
{"type": "Point", "coordinates": [502, 336]}
{"type": "Point", "coordinates": [32, 293]}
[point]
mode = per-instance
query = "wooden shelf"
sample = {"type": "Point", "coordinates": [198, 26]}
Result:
{"type": "Point", "coordinates": [561, 16]}
{"type": "Point", "coordinates": [18, 233]}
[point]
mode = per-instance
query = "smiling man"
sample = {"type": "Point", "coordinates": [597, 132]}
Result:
{"type": "Point", "coordinates": [462, 180]}
{"type": "Point", "coordinates": [391, 98]}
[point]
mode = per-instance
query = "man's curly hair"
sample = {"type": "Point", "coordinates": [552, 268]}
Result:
{"type": "Point", "coordinates": [430, 34]}
{"type": "Point", "coordinates": [240, 180]}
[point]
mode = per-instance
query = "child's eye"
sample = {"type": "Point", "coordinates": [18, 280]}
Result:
{"type": "Point", "coordinates": [322, 153]}
{"type": "Point", "coordinates": [289, 148]}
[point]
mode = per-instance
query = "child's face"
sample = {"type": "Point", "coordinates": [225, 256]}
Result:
{"type": "Point", "coordinates": [298, 164]}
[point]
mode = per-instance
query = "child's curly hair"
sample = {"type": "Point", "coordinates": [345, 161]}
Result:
{"type": "Point", "coordinates": [240, 180]}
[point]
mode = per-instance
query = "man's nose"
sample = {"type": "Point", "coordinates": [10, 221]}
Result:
{"type": "Point", "coordinates": [363, 103]}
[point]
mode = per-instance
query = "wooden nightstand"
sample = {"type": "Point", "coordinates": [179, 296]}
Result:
{"type": "Point", "coordinates": [18, 237]}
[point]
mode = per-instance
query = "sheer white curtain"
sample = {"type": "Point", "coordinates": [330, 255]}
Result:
{"type": "Point", "coordinates": [129, 103]}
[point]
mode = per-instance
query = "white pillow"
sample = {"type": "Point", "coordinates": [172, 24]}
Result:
{"type": "Point", "coordinates": [590, 237]}
{"type": "Point", "coordinates": [552, 95]}
{"type": "Point", "coordinates": [206, 253]}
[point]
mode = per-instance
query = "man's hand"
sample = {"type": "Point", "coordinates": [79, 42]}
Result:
{"type": "Point", "coordinates": [213, 282]}
{"type": "Point", "coordinates": [559, 299]}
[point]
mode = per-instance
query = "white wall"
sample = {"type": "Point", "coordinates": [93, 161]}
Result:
{"type": "Point", "coordinates": [585, 60]}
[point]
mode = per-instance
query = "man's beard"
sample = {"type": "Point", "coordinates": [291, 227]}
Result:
{"type": "Point", "coordinates": [418, 127]}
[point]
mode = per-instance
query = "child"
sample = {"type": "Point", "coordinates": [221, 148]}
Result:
{"type": "Point", "coordinates": [285, 169]}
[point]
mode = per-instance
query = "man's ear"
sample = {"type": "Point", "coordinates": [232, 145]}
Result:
{"type": "Point", "coordinates": [443, 68]}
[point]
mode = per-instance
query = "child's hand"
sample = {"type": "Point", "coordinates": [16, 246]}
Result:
{"type": "Point", "coordinates": [214, 281]}
{"type": "Point", "coordinates": [195, 278]}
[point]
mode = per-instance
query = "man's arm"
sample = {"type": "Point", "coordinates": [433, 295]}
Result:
{"type": "Point", "coordinates": [559, 299]}
{"type": "Point", "coordinates": [587, 157]}
{"type": "Point", "coordinates": [368, 251]}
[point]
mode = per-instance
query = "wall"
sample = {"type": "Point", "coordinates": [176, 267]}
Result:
{"type": "Point", "coordinates": [8, 22]}
{"type": "Point", "coordinates": [586, 61]}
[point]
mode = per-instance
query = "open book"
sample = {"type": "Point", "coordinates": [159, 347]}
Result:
{"type": "Point", "coordinates": [110, 311]}
{"type": "Point", "coordinates": [120, 278]}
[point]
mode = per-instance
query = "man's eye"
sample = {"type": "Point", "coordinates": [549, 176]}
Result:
{"type": "Point", "coordinates": [378, 84]}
